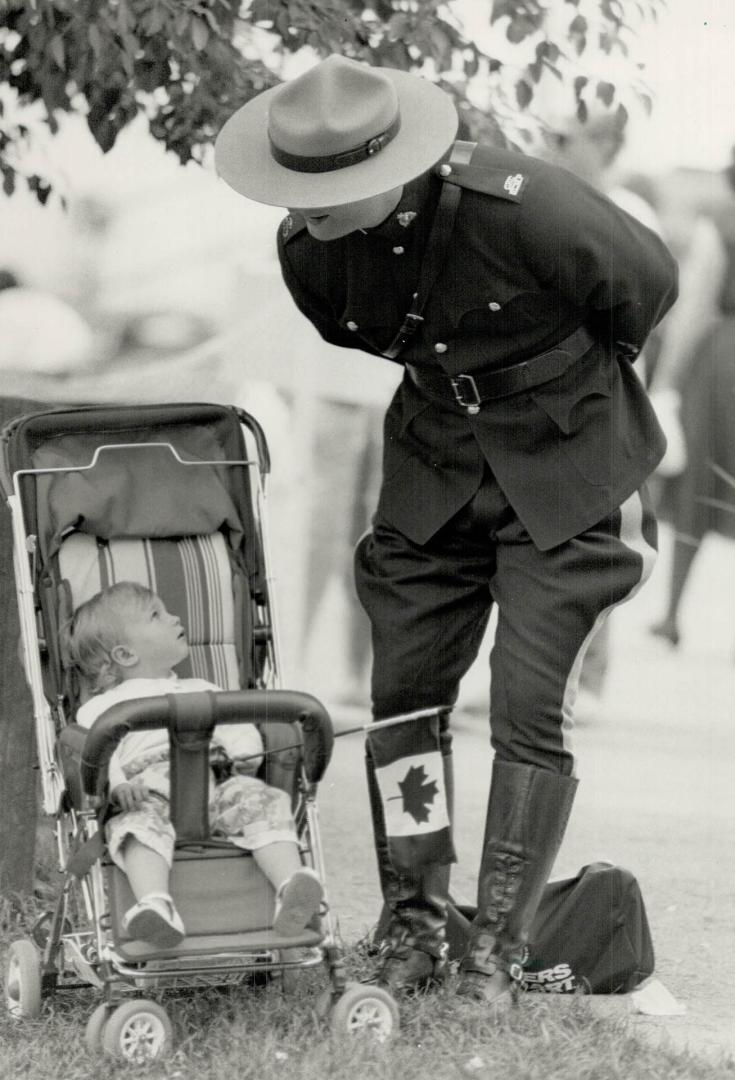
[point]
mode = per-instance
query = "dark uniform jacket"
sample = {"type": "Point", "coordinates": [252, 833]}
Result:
{"type": "Point", "coordinates": [527, 264]}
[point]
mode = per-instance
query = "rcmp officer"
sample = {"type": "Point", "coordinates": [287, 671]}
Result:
{"type": "Point", "coordinates": [516, 449]}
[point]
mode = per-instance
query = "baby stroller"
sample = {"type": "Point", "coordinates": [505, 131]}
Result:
{"type": "Point", "coordinates": [172, 496]}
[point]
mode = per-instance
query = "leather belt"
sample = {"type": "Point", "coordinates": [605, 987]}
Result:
{"type": "Point", "coordinates": [470, 391]}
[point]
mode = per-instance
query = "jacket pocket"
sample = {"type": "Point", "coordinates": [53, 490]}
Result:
{"type": "Point", "coordinates": [577, 395]}
{"type": "Point", "coordinates": [472, 309]}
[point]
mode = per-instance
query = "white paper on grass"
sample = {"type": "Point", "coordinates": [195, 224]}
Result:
{"type": "Point", "coordinates": [654, 999]}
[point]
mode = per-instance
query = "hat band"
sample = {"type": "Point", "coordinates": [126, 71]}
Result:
{"type": "Point", "coordinates": [331, 162]}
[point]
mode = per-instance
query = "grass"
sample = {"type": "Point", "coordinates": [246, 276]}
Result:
{"type": "Point", "coordinates": [264, 1033]}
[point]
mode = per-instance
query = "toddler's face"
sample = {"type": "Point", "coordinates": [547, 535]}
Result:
{"type": "Point", "coordinates": [156, 636]}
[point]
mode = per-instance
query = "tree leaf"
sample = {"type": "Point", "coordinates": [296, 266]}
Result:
{"type": "Point", "coordinates": [606, 92]}
{"type": "Point", "coordinates": [181, 21]}
{"type": "Point", "coordinates": [199, 33]}
{"type": "Point", "coordinates": [471, 65]}
{"type": "Point", "coordinates": [524, 93]}
{"type": "Point", "coordinates": [441, 46]}
{"type": "Point", "coordinates": [536, 70]}
{"type": "Point", "coordinates": [95, 38]}
{"type": "Point", "coordinates": [56, 48]}
{"type": "Point", "coordinates": [578, 33]}
{"type": "Point", "coordinates": [104, 132]}
{"type": "Point", "coordinates": [149, 75]}
{"type": "Point", "coordinates": [151, 22]}
{"type": "Point", "coordinates": [501, 8]}
{"type": "Point", "coordinates": [646, 101]}
{"type": "Point", "coordinates": [547, 50]}
{"type": "Point", "coordinates": [612, 11]}
{"type": "Point", "coordinates": [519, 28]}
{"type": "Point", "coordinates": [125, 20]}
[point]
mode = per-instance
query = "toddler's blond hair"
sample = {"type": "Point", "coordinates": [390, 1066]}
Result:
{"type": "Point", "coordinates": [97, 626]}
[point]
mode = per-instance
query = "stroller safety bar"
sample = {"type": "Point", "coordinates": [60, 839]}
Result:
{"type": "Point", "coordinates": [94, 461]}
{"type": "Point", "coordinates": [191, 718]}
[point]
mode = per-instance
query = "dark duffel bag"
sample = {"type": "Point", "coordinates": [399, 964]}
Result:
{"type": "Point", "coordinates": [590, 934]}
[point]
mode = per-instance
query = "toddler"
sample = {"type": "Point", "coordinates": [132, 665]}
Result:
{"type": "Point", "coordinates": [125, 643]}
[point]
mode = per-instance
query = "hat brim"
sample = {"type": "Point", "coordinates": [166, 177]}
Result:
{"type": "Point", "coordinates": [243, 158]}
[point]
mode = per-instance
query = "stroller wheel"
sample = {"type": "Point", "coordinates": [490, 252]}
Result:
{"type": "Point", "coordinates": [23, 980]}
{"type": "Point", "coordinates": [95, 1027]}
{"type": "Point", "coordinates": [138, 1031]}
{"type": "Point", "coordinates": [365, 1010]}
{"type": "Point", "coordinates": [42, 928]}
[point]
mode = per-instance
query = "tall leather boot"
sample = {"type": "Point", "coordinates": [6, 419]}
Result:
{"type": "Point", "coordinates": [527, 815]}
{"type": "Point", "coordinates": [414, 953]}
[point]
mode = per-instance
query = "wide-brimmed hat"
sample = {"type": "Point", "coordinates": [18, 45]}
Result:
{"type": "Point", "coordinates": [341, 132]}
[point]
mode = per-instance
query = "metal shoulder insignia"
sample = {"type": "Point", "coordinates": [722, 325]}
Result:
{"type": "Point", "coordinates": [487, 179]}
{"type": "Point", "coordinates": [291, 226]}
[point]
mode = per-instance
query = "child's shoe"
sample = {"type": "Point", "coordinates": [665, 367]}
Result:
{"type": "Point", "coordinates": [154, 919]}
{"type": "Point", "coordinates": [297, 902]}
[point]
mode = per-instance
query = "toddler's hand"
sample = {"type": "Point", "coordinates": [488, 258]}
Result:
{"type": "Point", "coordinates": [130, 795]}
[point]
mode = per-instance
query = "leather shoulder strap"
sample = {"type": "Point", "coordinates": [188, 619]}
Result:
{"type": "Point", "coordinates": [436, 247]}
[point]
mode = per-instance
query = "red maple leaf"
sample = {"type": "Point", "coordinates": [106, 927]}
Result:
{"type": "Point", "coordinates": [416, 793]}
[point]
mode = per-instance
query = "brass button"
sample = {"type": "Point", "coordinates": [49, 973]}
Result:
{"type": "Point", "coordinates": [494, 305]}
{"type": "Point", "coordinates": [445, 170]}
{"type": "Point", "coordinates": [440, 347]}
{"type": "Point", "coordinates": [398, 250]}
{"type": "Point", "coordinates": [351, 325]}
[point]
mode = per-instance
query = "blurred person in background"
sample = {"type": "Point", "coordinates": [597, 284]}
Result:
{"type": "Point", "coordinates": [695, 377]}
{"type": "Point", "coordinates": [40, 332]}
{"type": "Point", "coordinates": [590, 150]}
{"type": "Point", "coordinates": [347, 462]}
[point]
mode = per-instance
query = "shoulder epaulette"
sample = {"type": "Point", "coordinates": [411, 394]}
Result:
{"type": "Point", "coordinates": [291, 226]}
{"type": "Point", "coordinates": [487, 179]}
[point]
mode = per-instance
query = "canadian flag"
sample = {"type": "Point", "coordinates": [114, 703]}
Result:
{"type": "Point", "coordinates": [409, 769]}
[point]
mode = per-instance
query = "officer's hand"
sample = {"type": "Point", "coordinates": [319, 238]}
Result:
{"type": "Point", "coordinates": [130, 795]}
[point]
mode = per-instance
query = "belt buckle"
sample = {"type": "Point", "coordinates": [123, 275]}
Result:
{"type": "Point", "coordinates": [461, 384]}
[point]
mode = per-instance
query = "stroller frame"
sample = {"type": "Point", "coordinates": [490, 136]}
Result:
{"type": "Point", "coordinates": [52, 783]}
{"type": "Point", "coordinates": [73, 766]}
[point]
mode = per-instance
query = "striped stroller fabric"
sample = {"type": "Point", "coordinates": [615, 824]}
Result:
{"type": "Point", "coordinates": [193, 576]}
